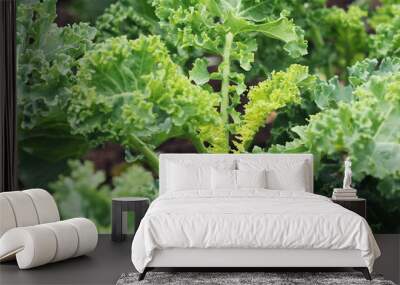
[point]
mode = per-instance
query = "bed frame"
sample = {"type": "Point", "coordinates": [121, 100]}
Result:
{"type": "Point", "coordinates": [243, 259]}
{"type": "Point", "coordinates": [246, 258]}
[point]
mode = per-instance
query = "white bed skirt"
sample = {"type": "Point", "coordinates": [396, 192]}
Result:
{"type": "Point", "coordinates": [192, 257]}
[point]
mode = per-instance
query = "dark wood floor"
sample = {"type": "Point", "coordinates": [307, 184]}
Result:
{"type": "Point", "coordinates": [110, 260]}
{"type": "Point", "coordinates": [103, 266]}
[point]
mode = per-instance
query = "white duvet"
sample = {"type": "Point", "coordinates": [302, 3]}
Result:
{"type": "Point", "coordinates": [250, 219]}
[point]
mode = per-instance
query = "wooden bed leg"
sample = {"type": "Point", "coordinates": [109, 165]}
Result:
{"type": "Point", "coordinates": [143, 274]}
{"type": "Point", "coordinates": [364, 271]}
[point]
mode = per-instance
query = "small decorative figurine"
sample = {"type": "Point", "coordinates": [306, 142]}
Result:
{"type": "Point", "coordinates": [347, 174]}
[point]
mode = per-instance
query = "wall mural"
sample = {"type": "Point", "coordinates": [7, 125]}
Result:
{"type": "Point", "coordinates": [104, 88]}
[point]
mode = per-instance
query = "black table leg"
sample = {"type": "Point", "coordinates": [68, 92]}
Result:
{"type": "Point", "coordinates": [116, 232]}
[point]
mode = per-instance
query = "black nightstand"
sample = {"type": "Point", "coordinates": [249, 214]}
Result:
{"type": "Point", "coordinates": [138, 205]}
{"type": "Point", "coordinates": [357, 205]}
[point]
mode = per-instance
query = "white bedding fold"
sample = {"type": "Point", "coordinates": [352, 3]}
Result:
{"type": "Point", "coordinates": [250, 219]}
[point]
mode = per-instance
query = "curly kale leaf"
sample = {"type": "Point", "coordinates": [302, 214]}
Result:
{"type": "Point", "coordinates": [323, 95]}
{"type": "Point", "coordinates": [135, 181]}
{"type": "Point", "coordinates": [270, 54]}
{"type": "Point", "coordinates": [204, 25]}
{"type": "Point", "coordinates": [327, 94]}
{"type": "Point", "coordinates": [344, 40]}
{"type": "Point", "coordinates": [268, 96]}
{"type": "Point", "coordinates": [226, 29]}
{"type": "Point", "coordinates": [362, 71]}
{"type": "Point", "coordinates": [336, 37]}
{"type": "Point", "coordinates": [367, 128]}
{"type": "Point", "coordinates": [384, 13]}
{"type": "Point", "coordinates": [199, 73]}
{"type": "Point", "coordinates": [83, 192]}
{"type": "Point", "coordinates": [47, 59]}
{"type": "Point", "coordinates": [331, 50]}
{"type": "Point", "coordinates": [386, 21]}
{"type": "Point", "coordinates": [131, 18]}
{"type": "Point", "coordinates": [131, 92]}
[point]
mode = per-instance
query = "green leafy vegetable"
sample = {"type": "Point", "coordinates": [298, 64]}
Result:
{"type": "Point", "coordinates": [205, 24]}
{"type": "Point", "coordinates": [384, 13]}
{"type": "Point", "coordinates": [47, 60]}
{"type": "Point", "coordinates": [135, 181]}
{"type": "Point", "coordinates": [227, 29]}
{"type": "Point", "coordinates": [367, 128]}
{"type": "Point", "coordinates": [131, 92]}
{"type": "Point", "coordinates": [131, 18]}
{"type": "Point", "coordinates": [344, 40]}
{"type": "Point", "coordinates": [337, 38]}
{"type": "Point", "coordinates": [327, 94]}
{"type": "Point", "coordinates": [82, 193]}
{"type": "Point", "coordinates": [268, 96]}
{"type": "Point", "coordinates": [386, 41]}
{"type": "Point", "coordinates": [191, 80]}
{"type": "Point", "coordinates": [199, 73]}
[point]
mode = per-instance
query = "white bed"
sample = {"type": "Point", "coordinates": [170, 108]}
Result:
{"type": "Point", "coordinates": [250, 227]}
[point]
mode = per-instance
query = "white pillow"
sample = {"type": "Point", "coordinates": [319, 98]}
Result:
{"type": "Point", "coordinates": [227, 179]}
{"type": "Point", "coordinates": [283, 174]}
{"type": "Point", "coordinates": [184, 174]}
{"type": "Point", "coordinates": [293, 180]}
{"type": "Point", "coordinates": [223, 179]}
{"type": "Point", "coordinates": [188, 177]}
{"type": "Point", "coordinates": [251, 178]}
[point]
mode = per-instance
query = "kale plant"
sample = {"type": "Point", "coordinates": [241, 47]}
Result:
{"type": "Point", "coordinates": [386, 22]}
{"type": "Point", "coordinates": [47, 57]}
{"type": "Point", "coordinates": [131, 91]}
{"type": "Point", "coordinates": [214, 73]}
{"type": "Point", "coordinates": [366, 128]}
{"type": "Point", "coordinates": [131, 18]}
{"type": "Point", "coordinates": [83, 192]}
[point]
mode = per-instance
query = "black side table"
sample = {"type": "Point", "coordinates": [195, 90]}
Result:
{"type": "Point", "coordinates": [357, 205]}
{"type": "Point", "coordinates": [120, 206]}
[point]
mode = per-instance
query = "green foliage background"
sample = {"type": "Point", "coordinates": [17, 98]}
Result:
{"type": "Point", "coordinates": [217, 74]}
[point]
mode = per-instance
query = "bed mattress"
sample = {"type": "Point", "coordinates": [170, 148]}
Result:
{"type": "Point", "coordinates": [250, 219]}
